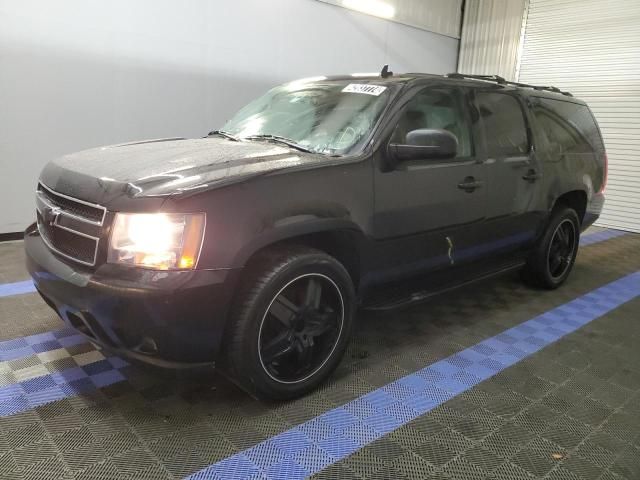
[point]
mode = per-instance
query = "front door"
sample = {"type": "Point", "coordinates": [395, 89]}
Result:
{"type": "Point", "coordinates": [428, 211]}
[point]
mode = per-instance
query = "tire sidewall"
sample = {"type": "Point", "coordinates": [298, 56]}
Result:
{"type": "Point", "coordinates": [253, 368]}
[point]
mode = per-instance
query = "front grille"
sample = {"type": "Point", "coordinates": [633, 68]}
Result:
{"type": "Point", "coordinates": [70, 227]}
{"type": "Point", "coordinates": [68, 243]}
{"type": "Point", "coordinates": [74, 207]}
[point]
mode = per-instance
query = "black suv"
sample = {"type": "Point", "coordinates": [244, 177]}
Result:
{"type": "Point", "coordinates": [252, 248]}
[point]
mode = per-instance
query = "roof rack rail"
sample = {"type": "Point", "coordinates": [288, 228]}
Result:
{"type": "Point", "coordinates": [501, 81]}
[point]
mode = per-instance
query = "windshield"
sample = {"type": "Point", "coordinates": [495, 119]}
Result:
{"type": "Point", "coordinates": [333, 118]}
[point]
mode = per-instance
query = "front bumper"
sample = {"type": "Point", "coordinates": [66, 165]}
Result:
{"type": "Point", "coordinates": [171, 319]}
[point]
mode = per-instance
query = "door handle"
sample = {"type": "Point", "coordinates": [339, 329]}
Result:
{"type": "Point", "coordinates": [531, 176]}
{"type": "Point", "coordinates": [469, 184]}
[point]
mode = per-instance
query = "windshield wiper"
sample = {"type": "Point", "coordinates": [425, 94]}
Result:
{"type": "Point", "coordinates": [224, 134]}
{"type": "Point", "coordinates": [279, 139]}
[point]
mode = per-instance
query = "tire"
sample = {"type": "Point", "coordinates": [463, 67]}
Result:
{"type": "Point", "coordinates": [558, 243]}
{"type": "Point", "coordinates": [290, 323]}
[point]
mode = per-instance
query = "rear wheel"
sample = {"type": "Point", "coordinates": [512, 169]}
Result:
{"type": "Point", "coordinates": [291, 322]}
{"type": "Point", "coordinates": [555, 253]}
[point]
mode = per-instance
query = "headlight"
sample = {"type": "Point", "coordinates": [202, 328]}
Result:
{"type": "Point", "coordinates": [162, 241]}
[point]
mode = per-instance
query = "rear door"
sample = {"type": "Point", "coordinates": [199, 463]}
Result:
{"type": "Point", "coordinates": [514, 176]}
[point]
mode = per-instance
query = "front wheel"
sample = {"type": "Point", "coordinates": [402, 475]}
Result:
{"type": "Point", "coordinates": [553, 257]}
{"type": "Point", "coordinates": [291, 322]}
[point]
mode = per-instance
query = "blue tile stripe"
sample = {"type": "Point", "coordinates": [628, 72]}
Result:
{"type": "Point", "coordinates": [42, 342]}
{"type": "Point", "coordinates": [600, 236]}
{"type": "Point", "coordinates": [18, 397]}
{"type": "Point", "coordinates": [312, 446]}
{"type": "Point", "coordinates": [17, 288]}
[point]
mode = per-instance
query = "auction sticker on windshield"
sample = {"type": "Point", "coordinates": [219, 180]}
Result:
{"type": "Point", "coordinates": [363, 88]}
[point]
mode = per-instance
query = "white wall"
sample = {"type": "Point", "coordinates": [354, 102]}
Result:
{"type": "Point", "coordinates": [81, 73]}
{"type": "Point", "coordinates": [439, 16]}
{"type": "Point", "coordinates": [491, 37]}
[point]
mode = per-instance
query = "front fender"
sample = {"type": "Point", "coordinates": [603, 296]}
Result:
{"type": "Point", "coordinates": [291, 228]}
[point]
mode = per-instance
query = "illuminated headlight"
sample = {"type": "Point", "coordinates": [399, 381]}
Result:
{"type": "Point", "coordinates": [163, 241]}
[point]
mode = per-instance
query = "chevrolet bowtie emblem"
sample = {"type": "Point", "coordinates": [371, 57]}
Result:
{"type": "Point", "coordinates": [51, 214]}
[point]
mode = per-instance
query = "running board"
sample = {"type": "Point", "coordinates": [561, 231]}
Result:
{"type": "Point", "coordinates": [400, 296]}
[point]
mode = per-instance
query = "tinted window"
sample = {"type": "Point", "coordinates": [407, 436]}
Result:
{"type": "Point", "coordinates": [504, 125]}
{"type": "Point", "coordinates": [439, 109]}
{"type": "Point", "coordinates": [569, 126]}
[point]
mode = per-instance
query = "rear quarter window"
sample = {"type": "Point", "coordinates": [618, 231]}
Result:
{"type": "Point", "coordinates": [569, 127]}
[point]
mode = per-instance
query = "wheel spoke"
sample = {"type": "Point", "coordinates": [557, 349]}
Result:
{"type": "Point", "coordinates": [319, 330]}
{"type": "Point", "coordinates": [276, 348]}
{"type": "Point", "coordinates": [320, 325]}
{"type": "Point", "coordinates": [305, 356]}
{"type": "Point", "coordinates": [313, 293]}
{"type": "Point", "coordinates": [284, 310]}
{"type": "Point", "coordinates": [555, 263]}
{"type": "Point", "coordinates": [566, 238]}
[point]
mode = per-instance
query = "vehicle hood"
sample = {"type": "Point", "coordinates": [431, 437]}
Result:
{"type": "Point", "coordinates": [158, 168]}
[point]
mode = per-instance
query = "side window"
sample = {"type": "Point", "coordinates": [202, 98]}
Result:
{"type": "Point", "coordinates": [437, 109]}
{"type": "Point", "coordinates": [504, 125]}
{"type": "Point", "coordinates": [557, 132]}
{"type": "Point", "coordinates": [569, 126]}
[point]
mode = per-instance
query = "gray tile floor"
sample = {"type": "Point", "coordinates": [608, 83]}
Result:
{"type": "Point", "coordinates": [572, 410]}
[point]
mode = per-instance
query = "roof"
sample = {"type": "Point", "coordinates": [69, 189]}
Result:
{"type": "Point", "coordinates": [461, 79]}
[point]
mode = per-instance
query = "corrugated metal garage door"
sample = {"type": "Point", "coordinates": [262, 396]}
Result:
{"type": "Point", "coordinates": [592, 49]}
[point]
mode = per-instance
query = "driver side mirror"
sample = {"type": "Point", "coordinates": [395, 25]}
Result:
{"type": "Point", "coordinates": [424, 144]}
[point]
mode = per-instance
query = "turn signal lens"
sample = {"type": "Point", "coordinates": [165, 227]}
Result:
{"type": "Point", "coordinates": [162, 241]}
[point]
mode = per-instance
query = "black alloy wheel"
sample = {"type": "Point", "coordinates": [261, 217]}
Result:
{"type": "Point", "coordinates": [554, 253]}
{"type": "Point", "coordinates": [561, 249]}
{"type": "Point", "coordinates": [290, 323]}
{"type": "Point", "coordinates": [301, 327]}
